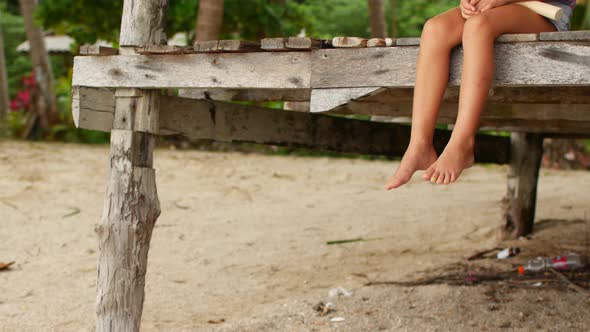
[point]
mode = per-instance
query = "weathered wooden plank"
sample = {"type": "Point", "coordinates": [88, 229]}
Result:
{"type": "Point", "coordinates": [323, 100]}
{"type": "Point", "coordinates": [506, 95]}
{"type": "Point", "coordinates": [523, 175]}
{"type": "Point", "coordinates": [413, 41]}
{"type": "Point", "coordinates": [517, 38]}
{"type": "Point", "coordinates": [273, 44]}
{"type": "Point", "coordinates": [226, 46]}
{"type": "Point", "coordinates": [137, 111]}
{"type": "Point", "coordinates": [98, 50]}
{"type": "Point", "coordinates": [206, 46]}
{"type": "Point", "coordinates": [544, 112]}
{"type": "Point", "coordinates": [270, 70]}
{"type": "Point", "coordinates": [247, 95]}
{"type": "Point", "coordinates": [239, 46]}
{"type": "Point", "coordinates": [164, 49]}
{"type": "Point", "coordinates": [349, 42]}
{"type": "Point", "coordinates": [303, 43]}
{"type": "Point", "coordinates": [93, 108]}
{"type": "Point", "coordinates": [201, 119]}
{"type": "Point", "coordinates": [517, 64]}
{"type": "Point", "coordinates": [582, 35]}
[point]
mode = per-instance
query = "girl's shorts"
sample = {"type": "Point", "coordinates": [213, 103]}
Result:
{"type": "Point", "coordinates": [564, 23]}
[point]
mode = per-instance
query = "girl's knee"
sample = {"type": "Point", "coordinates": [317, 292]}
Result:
{"type": "Point", "coordinates": [479, 26]}
{"type": "Point", "coordinates": [436, 31]}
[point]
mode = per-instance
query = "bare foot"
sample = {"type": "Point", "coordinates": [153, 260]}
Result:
{"type": "Point", "coordinates": [454, 159]}
{"type": "Point", "coordinates": [416, 158]}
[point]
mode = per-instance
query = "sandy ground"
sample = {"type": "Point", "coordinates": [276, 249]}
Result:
{"type": "Point", "coordinates": [242, 237]}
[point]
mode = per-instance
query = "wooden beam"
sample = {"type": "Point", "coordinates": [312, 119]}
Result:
{"type": "Point", "coordinates": [93, 109]}
{"type": "Point", "coordinates": [303, 43]}
{"type": "Point", "coordinates": [517, 64]}
{"type": "Point", "coordinates": [207, 119]}
{"type": "Point", "coordinates": [523, 176]}
{"type": "Point", "coordinates": [247, 95]}
{"type": "Point", "coordinates": [98, 50]}
{"type": "Point", "coordinates": [268, 70]}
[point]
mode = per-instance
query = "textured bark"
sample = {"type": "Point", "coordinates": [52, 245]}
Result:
{"type": "Point", "coordinates": [521, 198]}
{"type": "Point", "coordinates": [45, 102]}
{"type": "Point", "coordinates": [143, 23]}
{"type": "Point", "coordinates": [393, 19]}
{"type": "Point", "coordinates": [3, 79]}
{"type": "Point", "coordinates": [209, 20]}
{"type": "Point", "coordinates": [377, 18]}
{"type": "Point", "coordinates": [130, 212]}
{"type": "Point", "coordinates": [131, 206]}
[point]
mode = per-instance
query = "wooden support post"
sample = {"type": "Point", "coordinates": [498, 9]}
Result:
{"type": "Point", "coordinates": [521, 198]}
{"type": "Point", "coordinates": [131, 206]}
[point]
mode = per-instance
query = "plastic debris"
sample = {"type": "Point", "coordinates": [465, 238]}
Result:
{"type": "Point", "coordinates": [508, 252]}
{"type": "Point", "coordinates": [337, 319]}
{"type": "Point", "coordinates": [570, 261]}
{"type": "Point", "coordinates": [339, 291]}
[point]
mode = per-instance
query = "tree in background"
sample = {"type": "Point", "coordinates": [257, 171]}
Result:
{"type": "Point", "coordinates": [3, 76]}
{"type": "Point", "coordinates": [393, 20]}
{"type": "Point", "coordinates": [209, 20]}
{"type": "Point", "coordinates": [45, 103]}
{"type": "Point", "coordinates": [377, 19]}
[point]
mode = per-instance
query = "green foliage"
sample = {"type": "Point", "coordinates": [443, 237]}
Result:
{"type": "Point", "coordinates": [18, 65]}
{"type": "Point", "coordinates": [411, 15]}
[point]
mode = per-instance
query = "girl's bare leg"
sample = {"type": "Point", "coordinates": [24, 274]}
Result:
{"type": "Point", "coordinates": [479, 34]}
{"type": "Point", "coordinates": [440, 34]}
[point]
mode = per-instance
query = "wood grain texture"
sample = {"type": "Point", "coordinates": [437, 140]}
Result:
{"type": "Point", "coordinates": [130, 211]}
{"type": "Point", "coordinates": [517, 38]}
{"type": "Point", "coordinates": [582, 35]}
{"type": "Point", "coordinates": [226, 46]}
{"type": "Point", "coordinates": [131, 205]}
{"type": "Point", "coordinates": [202, 119]}
{"type": "Point", "coordinates": [247, 95]}
{"type": "Point", "coordinates": [323, 100]}
{"type": "Point", "coordinates": [517, 64]}
{"type": "Point", "coordinates": [274, 44]}
{"type": "Point", "coordinates": [413, 41]}
{"type": "Point", "coordinates": [520, 201]}
{"type": "Point", "coordinates": [92, 108]}
{"type": "Point", "coordinates": [143, 23]}
{"type": "Point", "coordinates": [270, 70]}
{"type": "Point", "coordinates": [164, 49]}
{"type": "Point", "coordinates": [98, 50]}
{"type": "Point", "coordinates": [303, 43]}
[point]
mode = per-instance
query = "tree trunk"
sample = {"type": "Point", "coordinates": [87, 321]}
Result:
{"type": "Point", "coordinates": [209, 20]}
{"type": "Point", "coordinates": [4, 99]}
{"type": "Point", "coordinates": [44, 100]}
{"type": "Point", "coordinates": [131, 205]}
{"type": "Point", "coordinates": [393, 19]}
{"type": "Point", "coordinates": [377, 18]}
{"type": "Point", "coordinates": [521, 198]}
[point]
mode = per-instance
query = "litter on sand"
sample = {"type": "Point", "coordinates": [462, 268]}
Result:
{"type": "Point", "coordinates": [339, 291]}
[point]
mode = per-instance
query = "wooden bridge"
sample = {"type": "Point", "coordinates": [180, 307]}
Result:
{"type": "Point", "coordinates": [541, 88]}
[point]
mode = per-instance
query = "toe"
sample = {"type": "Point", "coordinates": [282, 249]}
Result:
{"type": "Point", "coordinates": [441, 178]}
{"type": "Point", "coordinates": [434, 177]}
{"type": "Point", "coordinates": [428, 174]}
{"type": "Point", "coordinates": [447, 178]}
{"type": "Point", "coordinates": [453, 177]}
